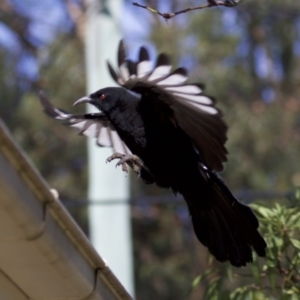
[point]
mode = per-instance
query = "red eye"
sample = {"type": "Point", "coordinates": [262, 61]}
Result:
{"type": "Point", "coordinates": [102, 97]}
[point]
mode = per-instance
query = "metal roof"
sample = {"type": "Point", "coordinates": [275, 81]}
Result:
{"type": "Point", "coordinates": [44, 255]}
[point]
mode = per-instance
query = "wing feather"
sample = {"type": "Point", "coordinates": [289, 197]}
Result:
{"type": "Point", "coordinates": [194, 111]}
{"type": "Point", "coordinates": [94, 125]}
{"type": "Point", "coordinates": [144, 65]}
{"type": "Point", "coordinates": [185, 89]}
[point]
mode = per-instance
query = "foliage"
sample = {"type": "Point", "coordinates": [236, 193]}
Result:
{"type": "Point", "coordinates": [275, 277]}
{"type": "Point", "coordinates": [59, 157]}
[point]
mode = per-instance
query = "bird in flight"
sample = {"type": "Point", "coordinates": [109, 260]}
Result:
{"type": "Point", "coordinates": [172, 134]}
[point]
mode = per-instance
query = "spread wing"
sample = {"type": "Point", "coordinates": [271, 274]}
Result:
{"type": "Point", "coordinates": [93, 125]}
{"type": "Point", "coordinates": [194, 111]}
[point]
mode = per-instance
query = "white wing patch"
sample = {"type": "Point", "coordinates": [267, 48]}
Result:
{"type": "Point", "coordinates": [124, 72]}
{"type": "Point", "coordinates": [174, 79]}
{"type": "Point", "coordinates": [160, 72]}
{"type": "Point", "coordinates": [80, 125]}
{"type": "Point", "coordinates": [104, 132]}
{"type": "Point", "coordinates": [118, 145]}
{"type": "Point", "coordinates": [104, 139]}
{"type": "Point", "coordinates": [209, 109]}
{"type": "Point", "coordinates": [90, 129]}
{"type": "Point", "coordinates": [199, 101]}
{"type": "Point", "coordinates": [185, 89]}
{"type": "Point", "coordinates": [61, 115]}
{"type": "Point", "coordinates": [93, 125]}
{"type": "Point", "coordinates": [195, 98]}
{"type": "Point", "coordinates": [143, 68]}
{"type": "Point", "coordinates": [140, 74]}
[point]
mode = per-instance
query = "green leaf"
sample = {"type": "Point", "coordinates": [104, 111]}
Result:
{"type": "Point", "coordinates": [259, 295]}
{"type": "Point", "coordinates": [278, 242]}
{"type": "Point", "coordinates": [272, 277]}
{"type": "Point", "coordinates": [263, 211]}
{"type": "Point", "coordinates": [255, 272]}
{"type": "Point", "coordinates": [201, 277]}
{"type": "Point", "coordinates": [295, 243]}
{"type": "Point", "coordinates": [278, 208]}
{"type": "Point", "coordinates": [265, 267]}
{"type": "Point", "coordinates": [294, 219]}
{"type": "Point", "coordinates": [237, 293]}
{"type": "Point", "coordinates": [213, 290]}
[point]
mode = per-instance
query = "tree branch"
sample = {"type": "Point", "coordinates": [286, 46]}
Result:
{"type": "Point", "coordinates": [210, 3]}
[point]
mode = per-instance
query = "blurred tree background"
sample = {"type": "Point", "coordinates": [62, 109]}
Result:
{"type": "Point", "coordinates": [249, 59]}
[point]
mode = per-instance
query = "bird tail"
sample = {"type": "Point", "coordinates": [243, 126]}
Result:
{"type": "Point", "coordinates": [226, 227]}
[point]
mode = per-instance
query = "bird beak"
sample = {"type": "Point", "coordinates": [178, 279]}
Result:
{"type": "Point", "coordinates": [85, 99]}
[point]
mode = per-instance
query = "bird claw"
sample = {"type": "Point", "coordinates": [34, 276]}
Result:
{"type": "Point", "coordinates": [132, 160]}
{"type": "Point", "coordinates": [114, 156]}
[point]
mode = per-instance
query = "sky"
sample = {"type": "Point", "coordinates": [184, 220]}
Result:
{"type": "Point", "coordinates": [43, 30]}
{"type": "Point", "coordinates": [49, 18]}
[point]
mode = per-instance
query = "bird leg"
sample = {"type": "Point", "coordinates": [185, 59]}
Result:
{"type": "Point", "coordinates": [132, 160]}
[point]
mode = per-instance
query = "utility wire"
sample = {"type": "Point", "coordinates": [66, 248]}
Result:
{"type": "Point", "coordinates": [246, 196]}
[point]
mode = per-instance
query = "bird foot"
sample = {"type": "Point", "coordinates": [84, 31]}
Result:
{"type": "Point", "coordinates": [132, 160]}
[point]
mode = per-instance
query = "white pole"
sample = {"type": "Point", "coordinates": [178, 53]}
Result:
{"type": "Point", "coordinates": [110, 229]}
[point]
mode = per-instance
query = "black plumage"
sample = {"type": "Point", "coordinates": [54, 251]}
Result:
{"type": "Point", "coordinates": [173, 135]}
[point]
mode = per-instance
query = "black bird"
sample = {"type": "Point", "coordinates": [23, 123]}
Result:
{"type": "Point", "coordinates": [172, 134]}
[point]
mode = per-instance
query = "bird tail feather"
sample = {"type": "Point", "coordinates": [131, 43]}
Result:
{"type": "Point", "coordinates": [228, 228]}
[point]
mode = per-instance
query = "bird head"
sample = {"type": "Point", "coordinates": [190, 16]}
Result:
{"type": "Point", "coordinates": [105, 99]}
